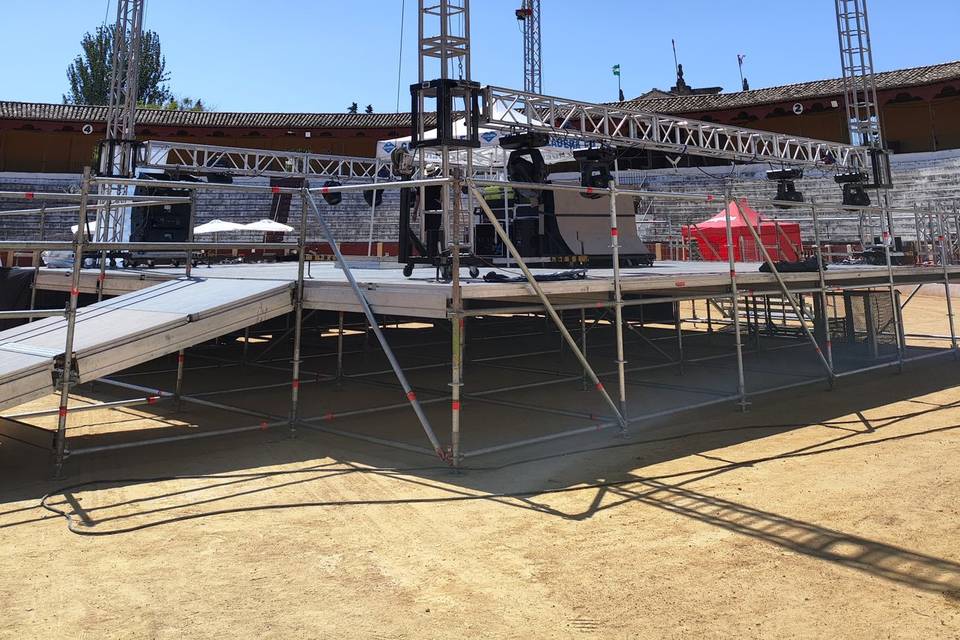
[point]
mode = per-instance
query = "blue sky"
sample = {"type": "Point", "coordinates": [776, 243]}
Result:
{"type": "Point", "coordinates": [320, 55]}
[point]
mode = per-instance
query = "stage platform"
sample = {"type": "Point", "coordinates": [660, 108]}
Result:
{"type": "Point", "coordinates": [150, 313]}
{"type": "Point", "coordinates": [423, 296]}
{"type": "Point", "coordinates": [130, 329]}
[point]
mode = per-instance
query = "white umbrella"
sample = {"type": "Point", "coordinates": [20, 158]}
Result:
{"type": "Point", "coordinates": [268, 225]}
{"type": "Point", "coordinates": [217, 226]}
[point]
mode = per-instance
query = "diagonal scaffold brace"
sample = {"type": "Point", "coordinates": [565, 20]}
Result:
{"type": "Point", "coordinates": [831, 376]}
{"type": "Point", "coordinates": [532, 281]}
{"type": "Point", "coordinates": [375, 327]}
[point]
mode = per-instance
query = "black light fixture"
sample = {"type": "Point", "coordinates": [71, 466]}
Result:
{"type": "Point", "coordinates": [527, 140]}
{"type": "Point", "coordinates": [595, 169]}
{"type": "Point", "coordinates": [401, 163]}
{"type": "Point", "coordinates": [854, 188]}
{"type": "Point", "coordinates": [786, 187]}
{"type": "Point", "coordinates": [334, 198]}
{"type": "Point", "coordinates": [371, 196]}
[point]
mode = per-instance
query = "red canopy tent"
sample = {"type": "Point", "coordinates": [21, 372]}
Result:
{"type": "Point", "coordinates": [781, 238]}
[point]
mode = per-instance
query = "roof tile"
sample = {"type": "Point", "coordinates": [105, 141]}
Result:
{"type": "Point", "coordinates": [900, 78]}
{"type": "Point", "coordinates": [165, 117]}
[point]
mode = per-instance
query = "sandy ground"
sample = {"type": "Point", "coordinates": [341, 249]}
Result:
{"type": "Point", "coordinates": [815, 514]}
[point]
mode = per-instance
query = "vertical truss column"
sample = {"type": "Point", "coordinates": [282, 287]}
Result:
{"type": "Point", "coordinates": [859, 82]}
{"type": "Point", "coordinates": [118, 149]}
{"type": "Point", "coordinates": [529, 14]}
{"type": "Point", "coordinates": [444, 32]}
{"type": "Point", "coordinates": [444, 39]}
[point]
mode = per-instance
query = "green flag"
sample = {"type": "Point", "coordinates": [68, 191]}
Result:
{"type": "Point", "coordinates": [616, 70]}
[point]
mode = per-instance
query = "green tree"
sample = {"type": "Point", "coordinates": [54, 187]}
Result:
{"type": "Point", "coordinates": [89, 73]}
{"type": "Point", "coordinates": [185, 103]}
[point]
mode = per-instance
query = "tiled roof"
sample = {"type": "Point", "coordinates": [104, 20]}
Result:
{"type": "Point", "coordinates": [214, 119]}
{"type": "Point", "coordinates": [901, 78]}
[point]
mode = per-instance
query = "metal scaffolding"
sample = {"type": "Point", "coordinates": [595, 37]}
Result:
{"type": "Point", "coordinates": [617, 294]}
{"type": "Point", "coordinates": [444, 41]}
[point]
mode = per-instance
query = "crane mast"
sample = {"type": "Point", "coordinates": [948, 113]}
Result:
{"type": "Point", "coordinates": [118, 149]}
{"type": "Point", "coordinates": [529, 15]}
{"type": "Point", "coordinates": [860, 85]}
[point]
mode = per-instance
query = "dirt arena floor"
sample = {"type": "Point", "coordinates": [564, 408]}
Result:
{"type": "Point", "coordinates": [828, 514]}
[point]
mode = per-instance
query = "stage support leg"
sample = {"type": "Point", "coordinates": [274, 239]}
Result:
{"type": "Point", "coordinates": [824, 308]}
{"type": "Point", "coordinates": [583, 342]}
{"type": "Point", "coordinates": [618, 304]}
{"type": "Point", "coordinates": [709, 322]}
{"type": "Point", "coordinates": [298, 316]}
{"type": "Point", "coordinates": [735, 304]}
{"type": "Point", "coordinates": [886, 236]}
{"type": "Point", "coordinates": [339, 381]}
{"type": "Point", "coordinates": [60, 451]}
{"type": "Point", "coordinates": [36, 262]}
{"type": "Point", "coordinates": [679, 330]}
{"type": "Point", "coordinates": [456, 320]}
{"type": "Point", "coordinates": [945, 260]}
{"type": "Point", "coordinates": [178, 389]}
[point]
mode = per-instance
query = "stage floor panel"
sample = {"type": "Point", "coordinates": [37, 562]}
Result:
{"type": "Point", "coordinates": [422, 295]}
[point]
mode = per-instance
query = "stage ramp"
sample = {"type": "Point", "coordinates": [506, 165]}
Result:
{"type": "Point", "coordinates": [118, 333]}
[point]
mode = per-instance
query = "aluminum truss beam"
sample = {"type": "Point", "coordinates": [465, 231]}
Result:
{"type": "Point", "coordinates": [510, 109]}
{"type": "Point", "coordinates": [198, 158]}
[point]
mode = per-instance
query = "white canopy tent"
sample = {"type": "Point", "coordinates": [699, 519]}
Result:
{"type": "Point", "coordinates": [268, 225]}
{"type": "Point", "coordinates": [217, 226]}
